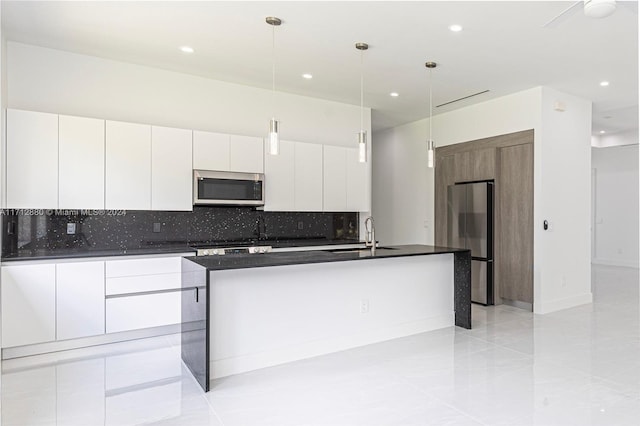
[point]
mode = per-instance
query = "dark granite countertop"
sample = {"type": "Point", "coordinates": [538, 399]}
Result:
{"type": "Point", "coordinates": [243, 261]}
{"type": "Point", "coordinates": [160, 248]}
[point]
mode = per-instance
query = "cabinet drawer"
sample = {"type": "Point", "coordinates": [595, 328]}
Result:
{"type": "Point", "coordinates": [124, 285]}
{"type": "Point", "coordinates": [135, 267]}
{"type": "Point", "coordinates": [143, 311]}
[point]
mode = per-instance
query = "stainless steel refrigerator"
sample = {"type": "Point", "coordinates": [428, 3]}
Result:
{"type": "Point", "coordinates": [470, 225]}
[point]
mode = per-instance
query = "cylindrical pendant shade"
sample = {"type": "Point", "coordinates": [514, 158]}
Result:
{"type": "Point", "coordinates": [274, 138]}
{"type": "Point", "coordinates": [362, 146]}
{"type": "Point", "coordinates": [430, 154]}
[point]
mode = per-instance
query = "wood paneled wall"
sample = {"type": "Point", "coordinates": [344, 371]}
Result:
{"type": "Point", "coordinates": [508, 160]}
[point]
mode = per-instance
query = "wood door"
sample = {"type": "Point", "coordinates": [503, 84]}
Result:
{"type": "Point", "coordinates": [444, 176]}
{"type": "Point", "coordinates": [516, 223]}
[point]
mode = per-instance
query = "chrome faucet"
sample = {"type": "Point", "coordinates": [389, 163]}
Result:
{"type": "Point", "coordinates": [370, 237]}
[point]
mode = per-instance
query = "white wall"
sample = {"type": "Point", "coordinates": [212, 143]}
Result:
{"type": "Point", "coordinates": [628, 137]}
{"type": "Point", "coordinates": [615, 232]}
{"type": "Point", "coordinates": [403, 190]}
{"type": "Point", "coordinates": [48, 80]}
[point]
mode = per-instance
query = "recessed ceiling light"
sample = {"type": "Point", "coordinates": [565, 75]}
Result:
{"type": "Point", "coordinates": [394, 94]}
{"type": "Point", "coordinates": [307, 76]}
{"type": "Point", "coordinates": [187, 49]}
{"type": "Point", "coordinates": [604, 83]}
{"type": "Point", "coordinates": [602, 132]}
{"type": "Point", "coordinates": [455, 28]}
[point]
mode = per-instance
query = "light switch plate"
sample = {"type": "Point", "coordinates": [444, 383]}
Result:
{"type": "Point", "coordinates": [157, 227]}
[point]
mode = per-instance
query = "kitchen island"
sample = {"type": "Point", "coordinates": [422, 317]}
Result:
{"type": "Point", "coordinates": [244, 312]}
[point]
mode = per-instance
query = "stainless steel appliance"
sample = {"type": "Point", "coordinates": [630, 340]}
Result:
{"type": "Point", "coordinates": [470, 225]}
{"type": "Point", "coordinates": [210, 250]}
{"type": "Point", "coordinates": [228, 188]}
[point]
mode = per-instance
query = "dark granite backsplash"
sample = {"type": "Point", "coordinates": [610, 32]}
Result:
{"type": "Point", "coordinates": [134, 229]}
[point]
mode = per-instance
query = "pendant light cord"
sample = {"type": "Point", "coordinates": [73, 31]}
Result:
{"type": "Point", "coordinates": [430, 106]}
{"type": "Point", "coordinates": [362, 90]}
{"type": "Point", "coordinates": [273, 69]}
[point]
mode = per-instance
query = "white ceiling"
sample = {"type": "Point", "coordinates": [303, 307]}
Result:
{"type": "Point", "coordinates": [503, 48]}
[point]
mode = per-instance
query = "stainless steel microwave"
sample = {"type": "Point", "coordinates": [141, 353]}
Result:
{"type": "Point", "coordinates": [228, 188]}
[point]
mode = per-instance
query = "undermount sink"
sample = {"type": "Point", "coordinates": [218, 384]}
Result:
{"type": "Point", "coordinates": [358, 250]}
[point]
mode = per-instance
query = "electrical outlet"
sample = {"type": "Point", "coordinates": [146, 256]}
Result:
{"type": "Point", "coordinates": [71, 228]}
{"type": "Point", "coordinates": [300, 225]}
{"type": "Point", "coordinates": [157, 227]}
{"type": "Point", "coordinates": [364, 306]}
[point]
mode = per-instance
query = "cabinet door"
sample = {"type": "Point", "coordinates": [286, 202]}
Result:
{"type": "Point", "coordinates": [28, 304]}
{"type": "Point", "coordinates": [32, 166]}
{"type": "Point", "coordinates": [515, 232]}
{"type": "Point", "coordinates": [171, 169]}
{"type": "Point", "coordinates": [357, 188]}
{"type": "Point", "coordinates": [463, 166]}
{"type": "Point", "coordinates": [444, 176]}
{"type": "Point", "coordinates": [246, 154]}
{"type": "Point", "coordinates": [210, 151]}
{"type": "Point", "coordinates": [334, 178]}
{"type": "Point", "coordinates": [484, 164]}
{"type": "Point", "coordinates": [279, 177]}
{"type": "Point", "coordinates": [80, 299]}
{"type": "Point", "coordinates": [128, 166]}
{"type": "Point", "coordinates": [81, 163]}
{"type": "Point", "coordinates": [308, 177]}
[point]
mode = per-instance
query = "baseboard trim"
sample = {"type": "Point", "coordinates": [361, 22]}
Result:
{"type": "Point", "coordinates": [241, 364]}
{"type": "Point", "coordinates": [560, 304]}
{"type": "Point", "coordinates": [610, 262]}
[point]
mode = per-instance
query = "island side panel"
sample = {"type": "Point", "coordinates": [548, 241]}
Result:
{"type": "Point", "coordinates": [269, 316]}
{"type": "Point", "coordinates": [462, 279]}
{"type": "Point", "coordinates": [195, 320]}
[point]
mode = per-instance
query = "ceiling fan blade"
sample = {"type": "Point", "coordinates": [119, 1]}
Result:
{"type": "Point", "coordinates": [558, 19]}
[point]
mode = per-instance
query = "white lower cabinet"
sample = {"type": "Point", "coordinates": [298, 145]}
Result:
{"type": "Point", "coordinates": [80, 299]}
{"type": "Point", "coordinates": [142, 293]}
{"type": "Point", "coordinates": [66, 300]}
{"type": "Point", "coordinates": [28, 304]}
{"type": "Point", "coordinates": [143, 311]}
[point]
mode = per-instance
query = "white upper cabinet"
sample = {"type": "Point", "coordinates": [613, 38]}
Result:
{"type": "Point", "coordinates": [210, 151]}
{"type": "Point", "coordinates": [171, 169]}
{"type": "Point", "coordinates": [28, 304]}
{"type": "Point", "coordinates": [227, 153]}
{"type": "Point", "coordinates": [308, 177]}
{"type": "Point", "coordinates": [128, 166]}
{"type": "Point", "coordinates": [79, 299]}
{"type": "Point", "coordinates": [32, 166]}
{"type": "Point", "coordinates": [335, 179]}
{"type": "Point", "coordinates": [246, 154]}
{"type": "Point", "coordinates": [81, 163]}
{"type": "Point", "coordinates": [357, 188]}
{"type": "Point", "coordinates": [279, 183]}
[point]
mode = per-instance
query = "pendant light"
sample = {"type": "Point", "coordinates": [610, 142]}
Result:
{"type": "Point", "coordinates": [430, 144]}
{"type": "Point", "coordinates": [274, 125]}
{"type": "Point", "coordinates": [362, 134]}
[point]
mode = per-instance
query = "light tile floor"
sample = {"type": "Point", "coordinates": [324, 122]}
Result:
{"type": "Point", "coordinates": [579, 366]}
